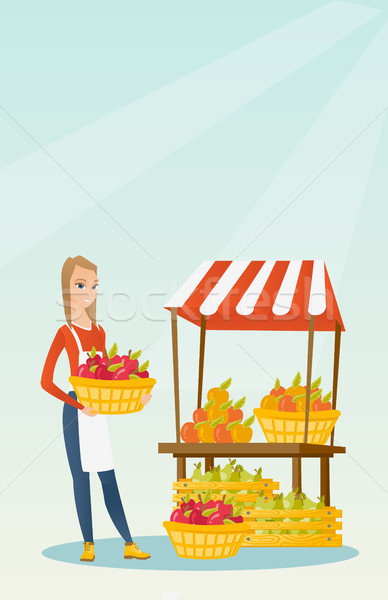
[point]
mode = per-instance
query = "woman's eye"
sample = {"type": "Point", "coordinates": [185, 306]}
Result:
{"type": "Point", "coordinates": [95, 287]}
{"type": "Point", "coordinates": [80, 286]}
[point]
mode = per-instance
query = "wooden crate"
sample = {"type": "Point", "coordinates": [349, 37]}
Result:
{"type": "Point", "coordinates": [327, 524]}
{"type": "Point", "coordinates": [220, 488]}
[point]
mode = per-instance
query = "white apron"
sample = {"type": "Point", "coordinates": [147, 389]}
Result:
{"type": "Point", "coordinates": [96, 453]}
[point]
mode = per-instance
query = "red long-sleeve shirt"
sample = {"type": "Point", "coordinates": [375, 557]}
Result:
{"type": "Point", "coordinates": [64, 339]}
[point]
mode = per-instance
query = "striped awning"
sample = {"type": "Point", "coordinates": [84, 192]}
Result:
{"type": "Point", "coordinates": [268, 295]}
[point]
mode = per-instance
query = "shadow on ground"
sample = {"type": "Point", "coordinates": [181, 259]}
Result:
{"type": "Point", "coordinates": [109, 553]}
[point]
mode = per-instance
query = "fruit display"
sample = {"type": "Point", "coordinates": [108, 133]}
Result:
{"type": "Point", "coordinates": [112, 366]}
{"type": "Point", "coordinates": [220, 420]}
{"type": "Point", "coordinates": [282, 413]}
{"type": "Point", "coordinates": [293, 399]}
{"type": "Point", "coordinates": [295, 500]}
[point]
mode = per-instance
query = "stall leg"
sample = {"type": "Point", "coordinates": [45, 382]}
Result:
{"type": "Point", "coordinates": [325, 479]}
{"type": "Point", "coordinates": [181, 467]}
{"type": "Point", "coordinates": [297, 473]}
{"type": "Point", "coordinates": [209, 463]}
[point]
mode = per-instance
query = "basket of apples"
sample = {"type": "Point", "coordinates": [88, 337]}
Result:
{"type": "Point", "coordinates": [206, 529]}
{"type": "Point", "coordinates": [282, 413]}
{"type": "Point", "coordinates": [112, 384]}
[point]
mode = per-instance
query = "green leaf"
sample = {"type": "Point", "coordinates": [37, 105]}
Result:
{"type": "Point", "coordinates": [207, 496]}
{"type": "Point", "coordinates": [209, 511]}
{"type": "Point", "coordinates": [238, 511]}
{"type": "Point", "coordinates": [277, 384]}
{"type": "Point", "coordinates": [315, 395]}
{"type": "Point", "coordinates": [135, 355]}
{"type": "Point", "coordinates": [228, 522]}
{"type": "Point", "coordinates": [297, 380]}
{"type": "Point", "coordinates": [326, 398]}
{"type": "Point", "coordinates": [93, 352]}
{"type": "Point", "coordinates": [316, 383]}
{"type": "Point", "coordinates": [188, 513]}
{"type": "Point", "coordinates": [216, 422]}
{"type": "Point", "coordinates": [226, 405]}
{"type": "Point", "coordinates": [201, 423]}
{"type": "Point", "coordinates": [248, 422]}
{"type": "Point", "coordinates": [225, 384]}
{"type": "Point", "coordinates": [230, 500]}
{"type": "Point", "coordinates": [93, 368]}
{"type": "Point", "coordinates": [113, 351]}
{"type": "Point", "coordinates": [240, 403]}
{"type": "Point", "coordinates": [187, 497]}
{"type": "Point", "coordinates": [133, 376]}
{"type": "Point", "coordinates": [144, 366]}
{"type": "Point", "coordinates": [115, 366]}
{"type": "Point", "coordinates": [209, 404]}
{"type": "Point", "coordinates": [231, 425]}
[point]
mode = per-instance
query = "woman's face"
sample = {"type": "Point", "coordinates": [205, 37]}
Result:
{"type": "Point", "coordinates": [83, 289]}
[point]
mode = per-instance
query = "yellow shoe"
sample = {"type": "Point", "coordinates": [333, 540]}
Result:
{"type": "Point", "coordinates": [88, 555]}
{"type": "Point", "coordinates": [131, 550]}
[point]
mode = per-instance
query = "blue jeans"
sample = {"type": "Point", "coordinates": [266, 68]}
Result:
{"type": "Point", "coordinates": [81, 481]}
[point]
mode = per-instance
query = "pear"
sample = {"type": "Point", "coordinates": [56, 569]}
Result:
{"type": "Point", "coordinates": [215, 474]}
{"type": "Point", "coordinates": [197, 473]}
{"type": "Point", "coordinates": [309, 504]}
{"type": "Point", "coordinates": [290, 499]}
{"type": "Point", "coordinates": [227, 470]}
{"type": "Point", "coordinates": [246, 476]}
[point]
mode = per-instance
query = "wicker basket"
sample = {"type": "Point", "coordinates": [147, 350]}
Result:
{"type": "Point", "coordinates": [289, 426]}
{"type": "Point", "coordinates": [206, 541]}
{"type": "Point", "coordinates": [112, 397]}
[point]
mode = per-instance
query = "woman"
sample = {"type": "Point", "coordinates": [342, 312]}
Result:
{"type": "Point", "coordinates": [85, 431]}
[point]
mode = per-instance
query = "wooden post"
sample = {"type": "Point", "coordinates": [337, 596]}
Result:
{"type": "Point", "coordinates": [201, 359]}
{"type": "Point", "coordinates": [174, 335]}
{"type": "Point", "coordinates": [297, 473]}
{"type": "Point", "coordinates": [181, 467]}
{"type": "Point", "coordinates": [337, 344]}
{"type": "Point", "coordinates": [209, 463]}
{"type": "Point", "coordinates": [325, 479]}
{"type": "Point", "coordinates": [309, 371]}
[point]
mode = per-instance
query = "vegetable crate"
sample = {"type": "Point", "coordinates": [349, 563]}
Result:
{"type": "Point", "coordinates": [227, 488]}
{"type": "Point", "coordinates": [277, 527]}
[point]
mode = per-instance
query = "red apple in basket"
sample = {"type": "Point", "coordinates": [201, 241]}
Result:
{"type": "Point", "coordinates": [103, 373]}
{"type": "Point", "coordinates": [215, 519]}
{"type": "Point", "coordinates": [142, 374]}
{"type": "Point", "coordinates": [187, 505]}
{"type": "Point", "coordinates": [83, 371]}
{"type": "Point", "coordinates": [177, 516]}
{"type": "Point", "coordinates": [196, 518]}
{"type": "Point", "coordinates": [93, 361]}
{"type": "Point", "coordinates": [238, 519]}
{"type": "Point", "coordinates": [121, 373]}
{"type": "Point", "coordinates": [223, 509]}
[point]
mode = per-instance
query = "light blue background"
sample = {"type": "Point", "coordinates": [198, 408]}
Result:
{"type": "Point", "coordinates": [149, 137]}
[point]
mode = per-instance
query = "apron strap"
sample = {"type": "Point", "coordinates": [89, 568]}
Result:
{"type": "Point", "coordinates": [76, 338]}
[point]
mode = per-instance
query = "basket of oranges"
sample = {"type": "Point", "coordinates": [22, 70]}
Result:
{"type": "Point", "coordinates": [112, 384]}
{"type": "Point", "coordinates": [282, 413]}
{"type": "Point", "coordinates": [221, 420]}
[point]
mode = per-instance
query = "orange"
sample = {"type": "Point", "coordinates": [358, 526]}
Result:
{"type": "Point", "coordinates": [241, 434]}
{"type": "Point", "coordinates": [220, 396]}
{"type": "Point", "coordinates": [270, 403]}
{"type": "Point", "coordinates": [205, 433]}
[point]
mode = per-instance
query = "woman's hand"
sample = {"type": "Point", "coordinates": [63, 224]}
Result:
{"type": "Point", "coordinates": [90, 412]}
{"type": "Point", "coordinates": [146, 398]}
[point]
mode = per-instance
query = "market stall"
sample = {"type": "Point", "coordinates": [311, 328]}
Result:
{"type": "Point", "coordinates": [260, 295]}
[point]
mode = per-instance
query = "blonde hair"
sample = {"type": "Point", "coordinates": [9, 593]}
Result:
{"type": "Point", "coordinates": [67, 271]}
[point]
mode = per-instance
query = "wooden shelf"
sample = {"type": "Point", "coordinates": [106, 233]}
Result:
{"type": "Point", "coordinates": [251, 450]}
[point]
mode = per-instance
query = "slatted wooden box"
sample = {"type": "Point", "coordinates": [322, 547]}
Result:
{"type": "Point", "coordinates": [285, 536]}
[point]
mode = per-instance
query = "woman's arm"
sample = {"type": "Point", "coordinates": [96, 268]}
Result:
{"type": "Point", "coordinates": [46, 381]}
